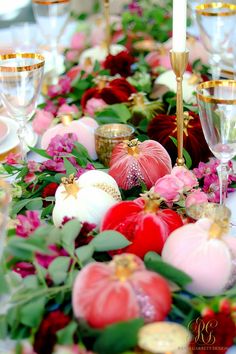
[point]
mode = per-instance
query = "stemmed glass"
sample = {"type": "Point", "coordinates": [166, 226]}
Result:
{"type": "Point", "coordinates": [52, 17]}
{"type": "Point", "coordinates": [21, 77]}
{"type": "Point", "coordinates": [217, 109]}
{"type": "Point", "coordinates": [216, 22]}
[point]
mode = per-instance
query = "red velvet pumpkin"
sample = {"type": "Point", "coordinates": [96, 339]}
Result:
{"type": "Point", "coordinates": [120, 291]}
{"type": "Point", "coordinates": [164, 126]}
{"type": "Point", "coordinates": [143, 223]}
{"type": "Point", "coordinates": [115, 91]}
{"type": "Point", "coordinates": [133, 162]}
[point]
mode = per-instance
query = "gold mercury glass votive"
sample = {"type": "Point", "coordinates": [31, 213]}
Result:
{"type": "Point", "coordinates": [107, 136]}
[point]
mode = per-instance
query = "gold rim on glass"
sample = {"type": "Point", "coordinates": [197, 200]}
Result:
{"type": "Point", "coordinates": [201, 9]}
{"type": "Point", "coordinates": [212, 84]}
{"type": "Point", "coordinates": [43, 2]}
{"type": "Point", "coordinates": [21, 68]}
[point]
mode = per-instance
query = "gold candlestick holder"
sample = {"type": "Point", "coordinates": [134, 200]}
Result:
{"type": "Point", "coordinates": [179, 61]}
{"type": "Point", "coordinates": [107, 21]}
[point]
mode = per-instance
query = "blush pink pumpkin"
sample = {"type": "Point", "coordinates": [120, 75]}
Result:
{"type": "Point", "coordinates": [133, 162]}
{"type": "Point", "coordinates": [83, 128]}
{"type": "Point", "coordinates": [120, 291]}
{"type": "Point", "coordinates": [206, 255]}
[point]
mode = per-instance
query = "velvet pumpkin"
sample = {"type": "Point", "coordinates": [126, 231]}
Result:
{"type": "Point", "coordinates": [162, 127]}
{"type": "Point", "coordinates": [83, 128]}
{"type": "Point", "coordinates": [114, 91]}
{"type": "Point", "coordinates": [133, 162]}
{"type": "Point", "coordinates": [143, 223]}
{"type": "Point", "coordinates": [206, 253]}
{"type": "Point", "coordinates": [121, 290]}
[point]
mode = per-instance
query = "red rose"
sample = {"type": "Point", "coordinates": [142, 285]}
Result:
{"type": "Point", "coordinates": [119, 64]}
{"type": "Point", "coordinates": [213, 333]}
{"type": "Point", "coordinates": [49, 190]}
{"type": "Point", "coordinates": [45, 338]}
{"type": "Point", "coordinates": [115, 91]}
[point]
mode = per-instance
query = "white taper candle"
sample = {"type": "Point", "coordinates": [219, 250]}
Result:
{"type": "Point", "coordinates": [179, 25]}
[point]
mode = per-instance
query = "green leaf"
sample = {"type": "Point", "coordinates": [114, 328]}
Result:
{"type": "Point", "coordinates": [69, 233]}
{"type": "Point", "coordinates": [31, 282]}
{"type": "Point", "coordinates": [66, 335]}
{"type": "Point", "coordinates": [154, 262]}
{"type": "Point", "coordinates": [187, 157]}
{"type": "Point", "coordinates": [116, 113]}
{"type": "Point", "coordinates": [58, 269]}
{"type": "Point", "coordinates": [31, 314]}
{"type": "Point", "coordinates": [4, 288]}
{"type": "Point", "coordinates": [3, 327]}
{"type": "Point", "coordinates": [17, 207]}
{"type": "Point", "coordinates": [40, 152]}
{"type": "Point", "coordinates": [85, 253]}
{"type": "Point", "coordinates": [119, 337]}
{"type": "Point", "coordinates": [70, 169]}
{"type": "Point", "coordinates": [35, 204]}
{"type": "Point", "coordinates": [109, 240]}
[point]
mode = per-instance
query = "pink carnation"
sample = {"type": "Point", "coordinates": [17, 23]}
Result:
{"type": "Point", "coordinates": [65, 108]}
{"type": "Point", "coordinates": [93, 105]}
{"type": "Point", "coordinates": [42, 121]}
{"type": "Point", "coordinates": [169, 187]}
{"type": "Point", "coordinates": [30, 177]}
{"type": "Point", "coordinates": [27, 223]}
{"type": "Point", "coordinates": [72, 55]}
{"type": "Point", "coordinates": [13, 159]}
{"type": "Point", "coordinates": [78, 41]}
{"type": "Point", "coordinates": [186, 177]}
{"type": "Point", "coordinates": [74, 72]}
{"type": "Point", "coordinates": [196, 197]}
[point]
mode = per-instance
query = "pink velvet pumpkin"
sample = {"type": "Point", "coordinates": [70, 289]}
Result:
{"type": "Point", "coordinates": [120, 291]}
{"type": "Point", "coordinates": [133, 162]}
{"type": "Point", "coordinates": [83, 128]}
{"type": "Point", "coordinates": [205, 253]}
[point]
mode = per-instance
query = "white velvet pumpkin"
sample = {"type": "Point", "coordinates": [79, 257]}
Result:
{"type": "Point", "coordinates": [208, 259]}
{"type": "Point", "coordinates": [87, 198]}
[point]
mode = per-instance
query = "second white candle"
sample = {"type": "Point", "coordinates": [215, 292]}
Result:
{"type": "Point", "coordinates": [179, 25]}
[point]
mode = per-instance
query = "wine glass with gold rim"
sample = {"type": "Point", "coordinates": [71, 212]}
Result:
{"type": "Point", "coordinates": [21, 77]}
{"type": "Point", "coordinates": [216, 22]}
{"type": "Point", "coordinates": [217, 110]}
{"type": "Point", "coordinates": [52, 17]}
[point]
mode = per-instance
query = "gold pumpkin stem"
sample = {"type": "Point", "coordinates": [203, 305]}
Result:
{"type": "Point", "coordinates": [152, 202]}
{"type": "Point", "coordinates": [71, 188]}
{"type": "Point", "coordinates": [125, 266]}
{"type": "Point", "coordinates": [132, 147]}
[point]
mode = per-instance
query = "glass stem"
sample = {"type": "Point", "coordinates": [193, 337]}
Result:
{"type": "Point", "coordinates": [223, 173]}
{"type": "Point", "coordinates": [54, 53]}
{"type": "Point", "coordinates": [21, 136]}
{"type": "Point", "coordinates": [215, 62]}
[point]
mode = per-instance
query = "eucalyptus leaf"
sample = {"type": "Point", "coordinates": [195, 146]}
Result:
{"type": "Point", "coordinates": [154, 262]}
{"type": "Point", "coordinates": [40, 152]}
{"type": "Point", "coordinates": [58, 269]}
{"type": "Point", "coordinates": [69, 233]}
{"type": "Point", "coordinates": [70, 169]}
{"type": "Point", "coordinates": [35, 204]}
{"type": "Point", "coordinates": [66, 335]}
{"type": "Point", "coordinates": [119, 337]}
{"type": "Point", "coordinates": [3, 327]}
{"type": "Point", "coordinates": [85, 253]}
{"type": "Point", "coordinates": [109, 240]}
{"type": "Point", "coordinates": [31, 314]}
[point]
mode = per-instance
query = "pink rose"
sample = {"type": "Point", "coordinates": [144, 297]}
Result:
{"type": "Point", "coordinates": [65, 108]}
{"type": "Point", "coordinates": [93, 105]}
{"type": "Point", "coordinates": [72, 55]}
{"type": "Point", "coordinates": [74, 72]}
{"type": "Point", "coordinates": [153, 59]}
{"type": "Point", "coordinates": [30, 177]}
{"type": "Point", "coordinates": [42, 121]}
{"type": "Point", "coordinates": [78, 41]}
{"type": "Point", "coordinates": [186, 177]}
{"type": "Point", "coordinates": [196, 197]}
{"type": "Point", "coordinates": [169, 187]}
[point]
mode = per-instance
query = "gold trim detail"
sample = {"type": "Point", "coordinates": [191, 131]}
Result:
{"type": "Point", "coordinates": [43, 2]}
{"type": "Point", "coordinates": [201, 9]}
{"type": "Point", "coordinates": [21, 68]}
{"type": "Point", "coordinates": [212, 84]}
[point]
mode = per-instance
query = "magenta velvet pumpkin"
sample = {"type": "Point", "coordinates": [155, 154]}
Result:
{"type": "Point", "coordinates": [120, 291]}
{"type": "Point", "coordinates": [133, 162]}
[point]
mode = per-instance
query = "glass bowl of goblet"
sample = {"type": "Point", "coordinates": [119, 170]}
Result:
{"type": "Point", "coordinates": [52, 17]}
{"type": "Point", "coordinates": [216, 22]}
{"type": "Point", "coordinates": [21, 77]}
{"type": "Point", "coordinates": [217, 110]}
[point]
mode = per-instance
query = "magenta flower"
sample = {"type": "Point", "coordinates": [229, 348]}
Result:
{"type": "Point", "coordinates": [24, 269]}
{"type": "Point", "coordinates": [135, 8]}
{"type": "Point", "coordinates": [45, 259]}
{"type": "Point", "coordinates": [33, 166]}
{"type": "Point", "coordinates": [30, 177]}
{"type": "Point", "coordinates": [50, 107]}
{"type": "Point", "coordinates": [61, 145]}
{"type": "Point", "coordinates": [27, 223]}
{"type": "Point", "coordinates": [13, 159]}
{"type": "Point", "coordinates": [62, 88]}
{"type": "Point", "coordinates": [212, 188]}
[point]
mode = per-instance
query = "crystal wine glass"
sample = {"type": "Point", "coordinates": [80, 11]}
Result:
{"type": "Point", "coordinates": [52, 17]}
{"type": "Point", "coordinates": [21, 77]}
{"type": "Point", "coordinates": [217, 109]}
{"type": "Point", "coordinates": [216, 22]}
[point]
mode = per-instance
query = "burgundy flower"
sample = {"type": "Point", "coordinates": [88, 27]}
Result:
{"type": "Point", "coordinates": [24, 269]}
{"type": "Point", "coordinates": [45, 259]}
{"type": "Point", "coordinates": [135, 8]}
{"type": "Point", "coordinates": [119, 64]}
{"type": "Point", "coordinates": [49, 190]}
{"type": "Point", "coordinates": [115, 91]}
{"type": "Point", "coordinates": [213, 333]}
{"type": "Point", "coordinates": [45, 338]}
{"type": "Point", "coordinates": [27, 223]}
{"type": "Point", "coordinates": [85, 236]}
